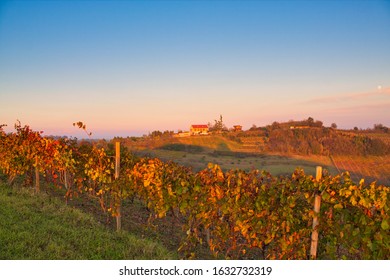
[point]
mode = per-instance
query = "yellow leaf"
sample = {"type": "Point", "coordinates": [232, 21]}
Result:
{"type": "Point", "coordinates": [338, 206]}
{"type": "Point", "coordinates": [219, 192]}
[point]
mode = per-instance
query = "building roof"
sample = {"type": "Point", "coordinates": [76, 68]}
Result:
{"type": "Point", "coordinates": [199, 126]}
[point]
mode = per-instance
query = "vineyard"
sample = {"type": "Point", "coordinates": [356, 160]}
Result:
{"type": "Point", "coordinates": [369, 167]}
{"type": "Point", "coordinates": [236, 214]}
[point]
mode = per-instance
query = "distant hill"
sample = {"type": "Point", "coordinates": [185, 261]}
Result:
{"type": "Point", "coordinates": [306, 138]}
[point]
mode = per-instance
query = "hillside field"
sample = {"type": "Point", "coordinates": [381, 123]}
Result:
{"type": "Point", "coordinates": [41, 227]}
{"type": "Point", "coordinates": [275, 164]}
{"type": "Point", "coordinates": [248, 153]}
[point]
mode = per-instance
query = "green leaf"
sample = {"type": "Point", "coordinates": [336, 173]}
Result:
{"type": "Point", "coordinates": [385, 225]}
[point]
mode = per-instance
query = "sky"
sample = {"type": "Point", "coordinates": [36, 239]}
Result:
{"type": "Point", "coordinates": [127, 68]}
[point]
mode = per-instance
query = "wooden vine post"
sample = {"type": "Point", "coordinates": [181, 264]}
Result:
{"type": "Point", "coordinates": [117, 169]}
{"type": "Point", "coordinates": [36, 175]}
{"type": "Point", "coordinates": [66, 179]}
{"type": "Point", "coordinates": [317, 205]}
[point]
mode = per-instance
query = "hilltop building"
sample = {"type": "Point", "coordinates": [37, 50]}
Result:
{"type": "Point", "coordinates": [182, 134]}
{"type": "Point", "coordinates": [199, 129]}
{"type": "Point", "coordinates": [299, 127]}
{"type": "Point", "coordinates": [237, 128]}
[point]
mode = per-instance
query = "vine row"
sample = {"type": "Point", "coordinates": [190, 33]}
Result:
{"type": "Point", "coordinates": [236, 214]}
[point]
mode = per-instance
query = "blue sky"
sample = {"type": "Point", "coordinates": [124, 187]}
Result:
{"type": "Point", "coordinates": [131, 67]}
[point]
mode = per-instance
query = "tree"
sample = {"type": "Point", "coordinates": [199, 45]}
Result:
{"type": "Point", "coordinates": [156, 133]}
{"type": "Point", "coordinates": [318, 124]}
{"type": "Point", "coordinates": [218, 126]}
{"type": "Point", "coordinates": [381, 127]}
{"type": "Point", "coordinates": [333, 125]}
{"type": "Point", "coordinates": [275, 125]}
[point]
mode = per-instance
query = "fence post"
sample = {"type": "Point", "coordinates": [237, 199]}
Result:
{"type": "Point", "coordinates": [117, 158]}
{"type": "Point", "coordinates": [66, 179]}
{"type": "Point", "coordinates": [317, 205]}
{"type": "Point", "coordinates": [117, 169]}
{"type": "Point", "coordinates": [36, 175]}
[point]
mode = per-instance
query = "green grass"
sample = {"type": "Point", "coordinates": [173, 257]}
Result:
{"type": "Point", "coordinates": [276, 165]}
{"type": "Point", "coordinates": [198, 151]}
{"type": "Point", "coordinates": [38, 226]}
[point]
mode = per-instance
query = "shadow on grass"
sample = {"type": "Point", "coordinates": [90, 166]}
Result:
{"type": "Point", "coordinates": [178, 147]}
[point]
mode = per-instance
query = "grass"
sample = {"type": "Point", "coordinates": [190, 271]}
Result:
{"type": "Point", "coordinates": [41, 227]}
{"type": "Point", "coordinates": [197, 151]}
{"type": "Point", "coordinates": [275, 164]}
{"type": "Point", "coordinates": [246, 154]}
{"type": "Point", "coordinates": [372, 168]}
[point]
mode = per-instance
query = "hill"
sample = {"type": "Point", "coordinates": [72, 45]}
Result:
{"type": "Point", "coordinates": [41, 227]}
{"type": "Point", "coordinates": [303, 138]}
{"type": "Point", "coordinates": [278, 148]}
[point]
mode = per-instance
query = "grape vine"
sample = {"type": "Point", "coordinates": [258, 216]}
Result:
{"type": "Point", "coordinates": [236, 214]}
